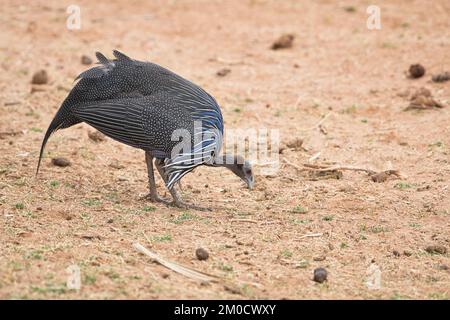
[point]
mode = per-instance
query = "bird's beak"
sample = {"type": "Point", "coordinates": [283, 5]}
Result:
{"type": "Point", "coordinates": [250, 182]}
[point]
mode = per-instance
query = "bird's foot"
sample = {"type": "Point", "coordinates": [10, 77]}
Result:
{"type": "Point", "coordinates": [184, 205]}
{"type": "Point", "coordinates": [155, 198]}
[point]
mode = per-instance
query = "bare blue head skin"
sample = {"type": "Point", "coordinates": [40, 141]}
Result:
{"type": "Point", "coordinates": [239, 166]}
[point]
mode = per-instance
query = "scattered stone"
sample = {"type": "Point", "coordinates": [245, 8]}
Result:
{"type": "Point", "coordinates": [422, 99]}
{"type": "Point", "coordinates": [379, 177]}
{"type": "Point", "coordinates": [25, 234]}
{"type": "Point", "coordinates": [60, 162]}
{"type": "Point", "coordinates": [201, 254]}
{"type": "Point", "coordinates": [325, 175]}
{"type": "Point", "coordinates": [96, 136]}
{"type": "Point", "coordinates": [110, 221]}
{"type": "Point", "coordinates": [86, 60]}
{"type": "Point", "coordinates": [223, 72]}
{"type": "Point", "coordinates": [436, 249]}
{"type": "Point", "coordinates": [31, 27]}
{"type": "Point", "coordinates": [416, 71]}
{"type": "Point", "coordinates": [40, 77]}
{"type": "Point", "coordinates": [323, 129]}
{"type": "Point", "coordinates": [115, 164]}
{"type": "Point", "coordinates": [424, 188]}
{"type": "Point", "coordinates": [67, 216]}
{"type": "Point", "coordinates": [396, 253]}
{"type": "Point", "coordinates": [319, 258]}
{"type": "Point", "coordinates": [443, 267]}
{"type": "Point", "coordinates": [350, 9]}
{"type": "Point", "coordinates": [441, 77]}
{"type": "Point", "coordinates": [320, 275]}
{"type": "Point", "coordinates": [232, 289]}
{"type": "Point", "coordinates": [39, 208]}
{"type": "Point", "coordinates": [407, 253]}
{"type": "Point", "coordinates": [284, 42]}
{"type": "Point", "coordinates": [296, 143]}
{"type": "Point", "coordinates": [90, 236]}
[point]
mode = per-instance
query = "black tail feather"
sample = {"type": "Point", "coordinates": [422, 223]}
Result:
{"type": "Point", "coordinates": [54, 125]}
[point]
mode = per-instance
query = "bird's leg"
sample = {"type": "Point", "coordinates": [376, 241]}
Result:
{"type": "Point", "coordinates": [153, 194]}
{"type": "Point", "coordinates": [177, 201]}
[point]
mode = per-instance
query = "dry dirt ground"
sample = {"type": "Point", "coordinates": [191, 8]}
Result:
{"type": "Point", "coordinates": [89, 214]}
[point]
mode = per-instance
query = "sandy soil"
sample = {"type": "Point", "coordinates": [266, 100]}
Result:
{"type": "Point", "coordinates": [89, 213]}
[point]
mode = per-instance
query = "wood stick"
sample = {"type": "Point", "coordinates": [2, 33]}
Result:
{"type": "Point", "coordinates": [336, 167]}
{"type": "Point", "coordinates": [188, 272]}
{"type": "Point", "coordinates": [244, 220]}
{"type": "Point", "coordinates": [9, 133]}
{"type": "Point", "coordinates": [310, 235]}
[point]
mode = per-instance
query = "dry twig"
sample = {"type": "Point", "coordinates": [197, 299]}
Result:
{"type": "Point", "coordinates": [337, 167]}
{"type": "Point", "coordinates": [188, 272]}
{"type": "Point", "coordinates": [9, 133]}
{"type": "Point", "coordinates": [310, 235]}
{"type": "Point", "coordinates": [244, 220]}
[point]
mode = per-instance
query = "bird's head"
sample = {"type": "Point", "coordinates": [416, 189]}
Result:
{"type": "Point", "coordinates": [244, 171]}
{"type": "Point", "coordinates": [239, 166]}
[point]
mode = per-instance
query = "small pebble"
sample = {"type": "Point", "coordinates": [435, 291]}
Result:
{"type": "Point", "coordinates": [396, 253]}
{"type": "Point", "coordinates": [416, 71]}
{"type": "Point", "coordinates": [96, 136]}
{"type": "Point", "coordinates": [296, 143]}
{"type": "Point", "coordinates": [319, 258]}
{"type": "Point", "coordinates": [379, 177]}
{"type": "Point", "coordinates": [285, 41]}
{"type": "Point", "coordinates": [320, 275]}
{"type": "Point", "coordinates": [115, 164]}
{"type": "Point", "coordinates": [223, 72]}
{"type": "Point", "coordinates": [201, 254]}
{"type": "Point", "coordinates": [436, 249]}
{"type": "Point", "coordinates": [40, 77]}
{"type": "Point", "coordinates": [442, 77]}
{"type": "Point", "coordinates": [350, 9]}
{"type": "Point", "coordinates": [407, 253]}
{"type": "Point", "coordinates": [67, 216]}
{"type": "Point", "coordinates": [60, 162]}
{"type": "Point", "coordinates": [90, 236]}
{"type": "Point", "coordinates": [24, 234]}
{"type": "Point", "coordinates": [86, 60]}
{"type": "Point", "coordinates": [232, 289]}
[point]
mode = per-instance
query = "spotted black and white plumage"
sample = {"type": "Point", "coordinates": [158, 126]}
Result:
{"type": "Point", "coordinates": [141, 104]}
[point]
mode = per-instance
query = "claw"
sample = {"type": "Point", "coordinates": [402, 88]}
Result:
{"type": "Point", "coordinates": [155, 198]}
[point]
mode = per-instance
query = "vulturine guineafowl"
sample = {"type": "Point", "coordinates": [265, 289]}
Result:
{"type": "Point", "coordinates": [146, 106]}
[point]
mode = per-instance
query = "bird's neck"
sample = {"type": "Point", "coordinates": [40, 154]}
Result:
{"type": "Point", "coordinates": [227, 160]}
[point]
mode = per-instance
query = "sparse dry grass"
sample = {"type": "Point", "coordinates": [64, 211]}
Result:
{"type": "Point", "coordinates": [89, 214]}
